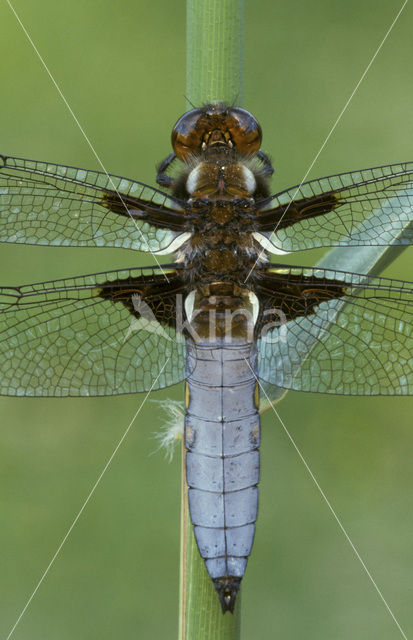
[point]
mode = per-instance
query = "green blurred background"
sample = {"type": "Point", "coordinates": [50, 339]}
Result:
{"type": "Point", "coordinates": [121, 66]}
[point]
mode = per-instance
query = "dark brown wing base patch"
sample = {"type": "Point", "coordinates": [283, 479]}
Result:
{"type": "Point", "coordinates": [138, 209]}
{"type": "Point", "coordinates": [296, 211]}
{"type": "Point", "coordinates": [155, 295]}
{"type": "Point", "coordinates": [286, 297]}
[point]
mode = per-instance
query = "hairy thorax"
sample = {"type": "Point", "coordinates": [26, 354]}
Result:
{"type": "Point", "coordinates": [220, 189]}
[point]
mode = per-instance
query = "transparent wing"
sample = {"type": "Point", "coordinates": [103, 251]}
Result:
{"type": "Point", "coordinates": [103, 334]}
{"type": "Point", "coordinates": [361, 208]}
{"type": "Point", "coordinates": [49, 204]}
{"type": "Point", "coordinates": [336, 332]}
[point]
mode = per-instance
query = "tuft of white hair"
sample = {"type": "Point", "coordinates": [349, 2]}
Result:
{"type": "Point", "coordinates": [172, 431]}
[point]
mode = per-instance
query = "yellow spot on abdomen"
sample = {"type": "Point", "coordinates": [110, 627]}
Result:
{"type": "Point", "coordinates": [256, 396]}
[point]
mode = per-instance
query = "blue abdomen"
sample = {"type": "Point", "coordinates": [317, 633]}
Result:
{"type": "Point", "coordinates": [222, 436]}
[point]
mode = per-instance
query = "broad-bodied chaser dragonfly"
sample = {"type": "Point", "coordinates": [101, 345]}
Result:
{"type": "Point", "coordinates": [221, 316]}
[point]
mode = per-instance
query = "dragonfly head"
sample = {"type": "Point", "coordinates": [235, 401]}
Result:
{"type": "Point", "coordinates": [216, 125]}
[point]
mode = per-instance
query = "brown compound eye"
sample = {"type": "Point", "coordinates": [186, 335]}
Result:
{"type": "Point", "coordinates": [188, 133]}
{"type": "Point", "coordinates": [215, 125]}
{"type": "Point", "coordinates": [245, 130]}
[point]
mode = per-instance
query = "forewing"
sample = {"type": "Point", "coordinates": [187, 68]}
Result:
{"type": "Point", "coordinates": [336, 332]}
{"type": "Point", "coordinates": [371, 207]}
{"type": "Point", "coordinates": [50, 204]}
{"type": "Point", "coordinates": [103, 334]}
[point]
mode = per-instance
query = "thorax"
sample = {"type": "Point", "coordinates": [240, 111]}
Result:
{"type": "Point", "coordinates": [220, 190]}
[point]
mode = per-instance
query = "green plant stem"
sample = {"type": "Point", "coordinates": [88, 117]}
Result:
{"type": "Point", "coordinates": [215, 51]}
{"type": "Point", "coordinates": [214, 74]}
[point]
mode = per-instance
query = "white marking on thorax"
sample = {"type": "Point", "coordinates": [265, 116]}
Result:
{"type": "Point", "coordinates": [192, 180]}
{"type": "Point", "coordinates": [255, 306]}
{"type": "Point", "coordinates": [249, 178]}
{"type": "Point", "coordinates": [189, 305]}
{"type": "Point", "coordinates": [175, 244]}
{"type": "Point", "coordinates": [267, 244]}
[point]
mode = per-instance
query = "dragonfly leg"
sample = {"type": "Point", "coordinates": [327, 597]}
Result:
{"type": "Point", "coordinates": [162, 177]}
{"type": "Point", "coordinates": [268, 168]}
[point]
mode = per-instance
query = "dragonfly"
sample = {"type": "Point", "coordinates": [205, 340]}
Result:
{"type": "Point", "coordinates": [221, 317]}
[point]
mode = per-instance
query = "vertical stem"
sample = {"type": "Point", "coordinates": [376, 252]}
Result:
{"type": "Point", "coordinates": [215, 51]}
{"type": "Point", "coordinates": [215, 60]}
